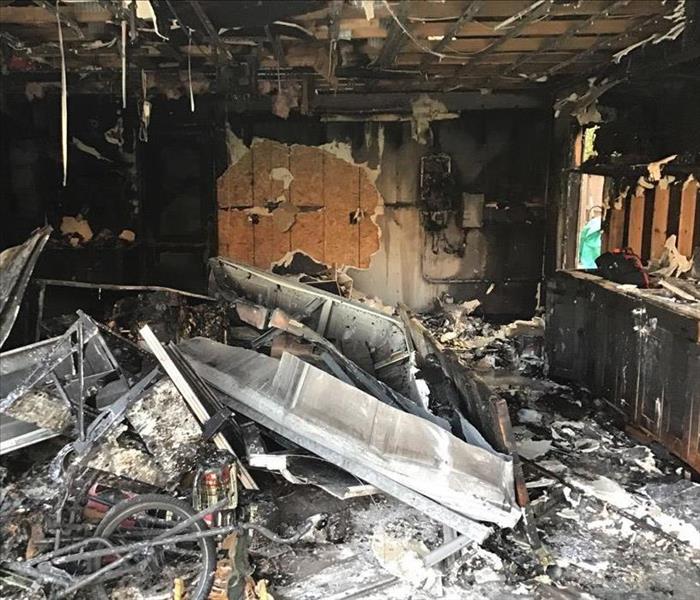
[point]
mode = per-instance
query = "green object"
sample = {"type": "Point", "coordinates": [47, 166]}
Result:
{"type": "Point", "coordinates": [590, 243]}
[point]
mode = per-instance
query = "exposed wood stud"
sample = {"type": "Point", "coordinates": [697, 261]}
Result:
{"type": "Point", "coordinates": [686, 223]}
{"type": "Point", "coordinates": [636, 223]}
{"type": "Point", "coordinates": [659, 221]}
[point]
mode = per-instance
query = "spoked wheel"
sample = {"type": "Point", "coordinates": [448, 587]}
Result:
{"type": "Point", "coordinates": [154, 572]}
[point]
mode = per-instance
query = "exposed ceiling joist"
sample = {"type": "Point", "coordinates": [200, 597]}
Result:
{"type": "Point", "coordinates": [557, 42]}
{"type": "Point", "coordinates": [466, 17]}
{"type": "Point", "coordinates": [622, 73]}
{"type": "Point", "coordinates": [488, 40]}
{"type": "Point", "coordinates": [604, 43]}
{"type": "Point", "coordinates": [212, 32]}
{"type": "Point", "coordinates": [65, 19]}
{"type": "Point", "coordinates": [539, 10]}
{"type": "Point", "coordinates": [396, 37]}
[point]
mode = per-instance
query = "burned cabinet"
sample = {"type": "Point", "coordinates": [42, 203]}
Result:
{"type": "Point", "coordinates": [640, 353]}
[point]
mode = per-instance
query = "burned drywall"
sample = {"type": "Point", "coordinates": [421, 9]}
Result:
{"type": "Point", "coordinates": [498, 156]}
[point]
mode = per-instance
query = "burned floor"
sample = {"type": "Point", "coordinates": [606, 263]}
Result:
{"type": "Point", "coordinates": [349, 299]}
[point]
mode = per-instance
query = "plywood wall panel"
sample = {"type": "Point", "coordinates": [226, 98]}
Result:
{"type": "Point", "coordinates": [306, 164]}
{"type": "Point", "coordinates": [319, 180]}
{"type": "Point", "coordinates": [279, 159]}
{"type": "Point", "coordinates": [341, 198]}
{"type": "Point", "coordinates": [271, 244]}
{"type": "Point", "coordinates": [261, 171]}
{"type": "Point", "coordinates": [308, 234]}
{"type": "Point", "coordinates": [235, 235]}
{"type": "Point", "coordinates": [235, 186]}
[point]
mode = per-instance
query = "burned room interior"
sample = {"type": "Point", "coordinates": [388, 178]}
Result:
{"type": "Point", "coordinates": [350, 299]}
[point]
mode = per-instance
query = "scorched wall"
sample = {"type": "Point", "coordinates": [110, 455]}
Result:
{"type": "Point", "coordinates": [347, 195]}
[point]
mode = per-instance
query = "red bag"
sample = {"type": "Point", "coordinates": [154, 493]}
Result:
{"type": "Point", "coordinates": [622, 265]}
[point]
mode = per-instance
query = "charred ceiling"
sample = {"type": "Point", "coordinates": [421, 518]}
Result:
{"type": "Point", "coordinates": [300, 51]}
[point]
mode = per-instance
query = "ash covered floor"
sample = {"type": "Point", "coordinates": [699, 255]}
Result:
{"type": "Point", "coordinates": [617, 518]}
{"type": "Point", "coordinates": [614, 532]}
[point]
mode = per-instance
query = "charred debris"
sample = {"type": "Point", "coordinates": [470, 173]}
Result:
{"type": "Point", "coordinates": [262, 264]}
{"type": "Point", "coordinates": [273, 437]}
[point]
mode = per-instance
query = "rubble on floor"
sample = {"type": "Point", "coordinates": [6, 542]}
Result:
{"type": "Point", "coordinates": [483, 345]}
{"type": "Point", "coordinates": [277, 438]}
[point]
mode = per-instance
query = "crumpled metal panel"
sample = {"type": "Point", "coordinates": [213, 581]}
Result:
{"type": "Point", "coordinates": [340, 320]}
{"type": "Point", "coordinates": [16, 267]}
{"type": "Point", "coordinates": [409, 449]}
{"type": "Point", "coordinates": [336, 416]}
{"type": "Point", "coordinates": [15, 365]}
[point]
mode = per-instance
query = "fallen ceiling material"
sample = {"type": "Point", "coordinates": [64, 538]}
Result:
{"type": "Point", "coordinates": [364, 435]}
{"type": "Point", "coordinates": [367, 337]}
{"type": "Point", "coordinates": [262, 415]}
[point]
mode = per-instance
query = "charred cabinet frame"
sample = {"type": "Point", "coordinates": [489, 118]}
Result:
{"type": "Point", "coordinates": [640, 353]}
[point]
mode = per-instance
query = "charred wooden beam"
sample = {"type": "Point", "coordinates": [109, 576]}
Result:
{"type": "Point", "coordinates": [466, 17]}
{"type": "Point", "coordinates": [556, 42]}
{"type": "Point", "coordinates": [277, 49]}
{"type": "Point", "coordinates": [212, 32]}
{"type": "Point", "coordinates": [607, 42]}
{"type": "Point", "coordinates": [539, 12]}
{"type": "Point", "coordinates": [336, 7]}
{"type": "Point", "coordinates": [65, 19]}
{"type": "Point", "coordinates": [624, 73]}
{"type": "Point", "coordinates": [395, 38]}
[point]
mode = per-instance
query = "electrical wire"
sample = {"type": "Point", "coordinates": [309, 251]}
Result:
{"type": "Point", "coordinates": [64, 100]}
{"type": "Point", "coordinates": [189, 69]}
{"type": "Point", "coordinates": [123, 63]}
{"type": "Point", "coordinates": [419, 44]}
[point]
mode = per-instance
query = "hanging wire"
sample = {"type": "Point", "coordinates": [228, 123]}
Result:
{"type": "Point", "coordinates": [189, 68]}
{"type": "Point", "coordinates": [419, 44]}
{"type": "Point", "coordinates": [64, 100]}
{"type": "Point", "coordinates": [123, 63]}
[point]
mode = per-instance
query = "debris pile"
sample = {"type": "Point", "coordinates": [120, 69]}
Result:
{"type": "Point", "coordinates": [484, 346]}
{"type": "Point", "coordinates": [167, 401]}
{"type": "Point", "coordinates": [274, 435]}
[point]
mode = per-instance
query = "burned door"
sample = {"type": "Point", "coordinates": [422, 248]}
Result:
{"type": "Point", "coordinates": [178, 199]}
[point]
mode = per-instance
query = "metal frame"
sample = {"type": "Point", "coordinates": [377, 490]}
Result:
{"type": "Point", "coordinates": [44, 568]}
